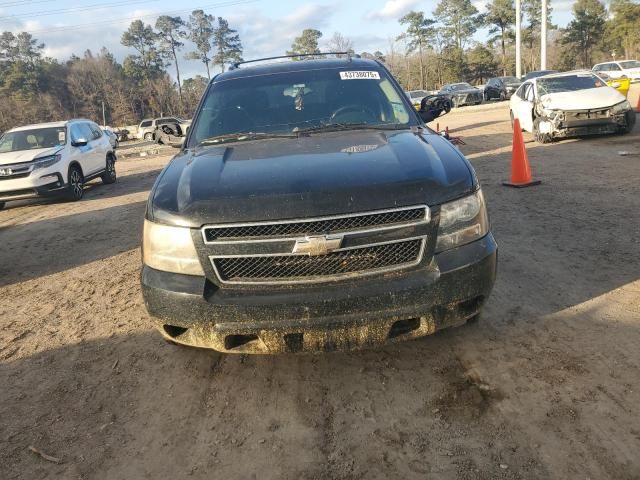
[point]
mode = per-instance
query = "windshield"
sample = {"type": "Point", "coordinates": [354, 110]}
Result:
{"type": "Point", "coordinates": [630, 64]}
{"type": "Point", "coordinates": [509, 79]}
{"type": "Point", "coordinates": [33, 139]}
{"type": "Point", "coordinates": [418, 94]}
{"type": "Point", "coordinates": [290, 102]}
{"type": "Point", "coordinates": [569, 83]}
{"type": "Point", "coordinates": [460, 86]}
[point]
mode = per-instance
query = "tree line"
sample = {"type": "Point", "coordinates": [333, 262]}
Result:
{"type": "Point", "coordinates": [438, 49]}
{"type": "Point", "coordinates": [37, 88]}
{"type": "Point", "coordinates": [432, 50]}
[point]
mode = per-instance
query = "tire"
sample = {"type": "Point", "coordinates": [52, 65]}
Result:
{"type": "Point", "coordinates": [75, 183]}
{"type": "Point", "coordinates": [2, 204]}
{"type": "Point", "coordinates": [109, 176]}
{"type": "Point", "coordinates": [631, 122]}
{"type": "Point", "coordinates": [540, 137]}
{"type": "Point", "coordinates": [511, 115]}
{"type": "Point", "coordinates": [148, 136]}
{"type": "Point", "coordinates": [503, 97]}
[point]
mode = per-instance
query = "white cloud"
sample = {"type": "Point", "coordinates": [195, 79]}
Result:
{"type": "Point", "coordinates": [392, 9]}
{"type": "Point", "coordinates": [264, 36]}
{"type": "Point", "coordinates": [481, 5]}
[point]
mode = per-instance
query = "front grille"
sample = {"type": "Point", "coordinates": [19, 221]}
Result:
{"type": "Point", "coordinates": [292, 268]}
{"type": "Point", "coordinates": [321, 226]}
{"type": "Point", "coordinates": [14, 176]}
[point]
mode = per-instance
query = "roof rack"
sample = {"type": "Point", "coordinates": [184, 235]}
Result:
{"type": "Point", "coordinates": [350, 55]}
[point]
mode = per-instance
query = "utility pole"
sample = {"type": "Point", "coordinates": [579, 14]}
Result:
{"type": "Point", "coordinates": [518, 41]}
{"type": "Point", "coordinates": [543, 37]}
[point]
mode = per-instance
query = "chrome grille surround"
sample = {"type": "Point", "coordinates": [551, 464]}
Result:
{"type": "Point", "coordinates": [284, 229]}
{"type": "Point", "coordinates": [372, 253]}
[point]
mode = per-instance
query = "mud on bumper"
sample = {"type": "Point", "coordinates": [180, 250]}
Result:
{"type": "Point", "coordinates": [366, 313]}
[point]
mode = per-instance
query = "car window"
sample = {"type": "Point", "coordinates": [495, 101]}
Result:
{"type": "Point", "coordinates": [145, 124]}
{"type": "Point", "coordinates": [569, 83]}
{"type": "Point", "coordinates": [530, 94]}
{"type": "Point", "coordinates": [613, 67]}
{"type": "Point", "coordinates": [630, 64]}
{"type": "Point", "coordinates": [282, 102]}
{"type": "Point", "coordinates": [33, 139]}
{"type": "Point", "coordinates": [86, 132]}
{"type": "Point", "coordinates": [95, 130]}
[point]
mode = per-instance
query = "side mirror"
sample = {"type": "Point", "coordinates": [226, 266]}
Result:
{"type": "Point", "coordinates": [81, 142]}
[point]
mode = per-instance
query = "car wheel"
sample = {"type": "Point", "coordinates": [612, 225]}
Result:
{"type": "Point", "coordinates": [148, 136]}
{"type": "Point", "coordinates": [511, 115]}
{"type": "Point", "coordinates": [540, 137]}
{"type": "Point", "coordinates": [75, 185]}
{"type": "Point", "coordinates": [503, 97]}
{"type": "Point", "coordinates": [2, 204]}
{"type": "Point", "coordinates": [109, 176]}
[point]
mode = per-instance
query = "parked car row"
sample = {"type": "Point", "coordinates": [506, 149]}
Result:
{"type": "Point", "coordinates": [617, 74]}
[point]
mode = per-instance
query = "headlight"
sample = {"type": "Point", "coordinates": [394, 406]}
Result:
{"type": "Point", "coordinates": [621, 107]}
{"type": "Point", "coordinates": [44, 162]}
{"type": "Point", "coordinates": [170, 249]}
{"type": "Point", "coordinates": [462, 221]}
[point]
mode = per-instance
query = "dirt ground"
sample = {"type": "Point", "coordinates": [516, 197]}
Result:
{"type": "Point", "coordinates": [545, 385]}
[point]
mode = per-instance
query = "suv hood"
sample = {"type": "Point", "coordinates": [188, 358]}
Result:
{"type": "Point", "coordinates": [590, 98]}
{"type": "Point", "coordinates": [22, 156]}
{"type": "Point", "coordinates": [322, 174]}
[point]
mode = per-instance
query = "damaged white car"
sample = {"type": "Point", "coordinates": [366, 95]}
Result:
{"type": "Point", "coordinates": [570, 104]}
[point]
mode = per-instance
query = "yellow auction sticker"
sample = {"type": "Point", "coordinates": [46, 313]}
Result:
{"type": "Point", "coordinates": [360, 75]}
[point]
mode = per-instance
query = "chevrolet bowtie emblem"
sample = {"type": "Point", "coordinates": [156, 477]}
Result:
{"type": "Point", "coordinates": [317, 244]}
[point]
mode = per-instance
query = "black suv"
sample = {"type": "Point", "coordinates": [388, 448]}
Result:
{"type": "Point", "coordinates": [311, 209]}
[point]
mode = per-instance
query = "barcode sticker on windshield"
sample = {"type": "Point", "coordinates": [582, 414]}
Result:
{"type": "Point", "coordinates": [361, 75]}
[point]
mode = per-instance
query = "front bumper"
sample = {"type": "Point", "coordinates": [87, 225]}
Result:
{"type": "Point", "coordinates": [366, 312]}
{"type": "Point", "coordinates": [596, 126]}
{"type": "Point", "coordinates": [467, 99]}
{"type": "Point", "coordinates": [34, 185]}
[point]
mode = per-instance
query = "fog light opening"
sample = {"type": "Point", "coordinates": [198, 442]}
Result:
{"type": "Point", "coordinates": [294, 342]}
{"type": "Point", "coordinates": [235, 341]}
{"type": "Point", "coordinates": [402, 327]}
{"type": "Point", "coordinates": [173, 331]}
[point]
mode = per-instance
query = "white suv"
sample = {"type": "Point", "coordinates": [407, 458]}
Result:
{"type": "Point", "coordinates": [620, 69]}
{"type": "Point", "coordinates": [148, 126]}
{"type": "Point", "coordinates": [53, 158]}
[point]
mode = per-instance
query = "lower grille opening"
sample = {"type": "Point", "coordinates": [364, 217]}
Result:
{"type": "Point", "coordinates": [173, 331]}
{"type": "Point", "coordinates": [235, 341]}
{"type": "Point", "coordinates": [294, 342]}
{"type": "Point", "coordinates": [402, 327]}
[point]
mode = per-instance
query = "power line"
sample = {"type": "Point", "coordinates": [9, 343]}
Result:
{"type": "Point", "coordinates": [16, 3]}
{"type": "Point", "coordinates": [81, 26]}
{"type": "Point", "coordinates": [74, 9]}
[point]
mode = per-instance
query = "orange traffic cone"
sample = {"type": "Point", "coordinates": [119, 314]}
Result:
{"type": "Point", "coordinates": [638, 105]}
{"type": "Point", "coordinates": [520, 169]}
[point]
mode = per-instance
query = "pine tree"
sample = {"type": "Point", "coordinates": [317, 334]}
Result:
{"type": "Point", "coordinates": [170, 31]}
{"type": "Point", "coordinates": [200, 32]}
{"type": "Point", "coordinates": [227, 44]}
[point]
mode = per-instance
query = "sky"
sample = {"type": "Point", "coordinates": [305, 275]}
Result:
{"type": "Point", "coordinates": [266, 27]}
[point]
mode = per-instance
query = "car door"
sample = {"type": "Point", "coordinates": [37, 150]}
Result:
{"type": "Point", "coordinates": [102, 145]}
{"type": "Point", "coordinates": [522, 105]}
{"type": "Point", "coordinates": [614, 70]}
{"type": "Point", "coordinates": [93, 158]}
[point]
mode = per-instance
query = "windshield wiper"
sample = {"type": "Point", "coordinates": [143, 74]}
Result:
{"type": "Point", "coordinates": [334, 127]}
{"type": "Point", "coordinates": [239, 137]}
